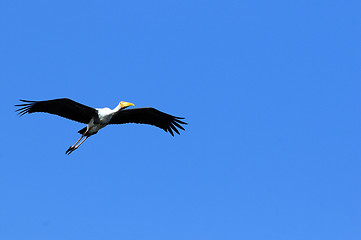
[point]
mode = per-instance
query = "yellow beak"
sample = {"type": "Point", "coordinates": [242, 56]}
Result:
{"type": "Point", "coordinates": [125, 104]}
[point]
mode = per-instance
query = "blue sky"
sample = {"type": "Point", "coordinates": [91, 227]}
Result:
{"type": "Point", "coordinates": [271, 92]}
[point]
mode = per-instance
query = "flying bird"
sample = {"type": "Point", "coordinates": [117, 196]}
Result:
{"type": "Point", "coordinates": [97, 118]}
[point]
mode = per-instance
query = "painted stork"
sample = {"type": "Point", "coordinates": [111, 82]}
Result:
{"type": "Point", "coordinates": [97, 118]}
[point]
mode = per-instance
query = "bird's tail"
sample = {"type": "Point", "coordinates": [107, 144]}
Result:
{"type": "Point", "coordinates": [82, 131]}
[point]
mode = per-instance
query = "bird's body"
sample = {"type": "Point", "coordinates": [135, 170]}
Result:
{"type": "Point", "coordinates": [93, 127]}
{"type": "Point", "coordinates": [104, 116]}
{"type": "Point", "coordinates": [98, 118]}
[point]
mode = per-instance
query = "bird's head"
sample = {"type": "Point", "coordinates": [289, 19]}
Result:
{"type": "Point", "coordinates": [123, 104]}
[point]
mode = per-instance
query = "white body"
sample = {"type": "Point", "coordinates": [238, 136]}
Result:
{"type": "Point", "coordinates": [105, 115]}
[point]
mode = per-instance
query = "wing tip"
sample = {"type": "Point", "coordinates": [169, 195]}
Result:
{"type": "Point", "coordinates": [25, 107]}
{"type": "Point", "coordinates": [175, 124]}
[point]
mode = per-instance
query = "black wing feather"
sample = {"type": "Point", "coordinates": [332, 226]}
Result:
{"type": "Point", "coordinates": [62, 107]}
{"type": "Point", "coordinates": [149, 116]}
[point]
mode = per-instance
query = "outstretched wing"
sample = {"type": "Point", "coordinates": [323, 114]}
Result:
{"type": "Point", "coordinates": [148, 116]}
{"type": "Point", "coordinates": [62, 107]}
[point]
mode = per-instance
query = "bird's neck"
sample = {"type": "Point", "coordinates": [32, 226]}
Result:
{"type": "Point", "coordinates": [115, 110]}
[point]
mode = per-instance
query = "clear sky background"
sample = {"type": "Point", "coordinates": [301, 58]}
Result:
{"type": "Point", "coordinates": [271, 91]}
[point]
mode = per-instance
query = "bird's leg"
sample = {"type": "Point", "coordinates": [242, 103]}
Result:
{"type": "Point", "coordinates": [77, 141]}
{"type": "Point", "coordinates": [73, 147]}
{"type": "Point", "coordinates": [79, 144]}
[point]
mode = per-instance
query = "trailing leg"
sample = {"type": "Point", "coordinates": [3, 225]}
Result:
{"type": "Point", "coordinates": [73, 147]}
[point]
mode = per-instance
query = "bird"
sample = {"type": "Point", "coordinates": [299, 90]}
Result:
{"type": "Point", "coordinates": [98, 118]}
